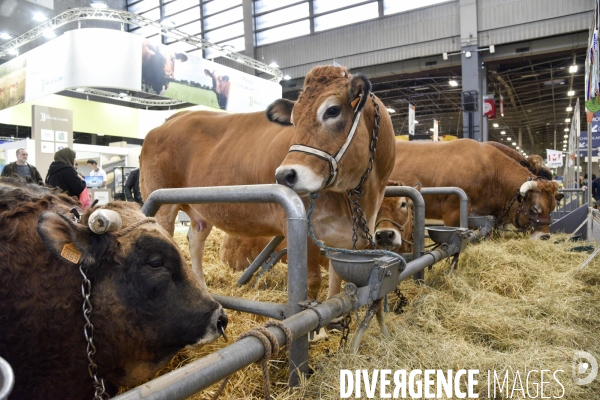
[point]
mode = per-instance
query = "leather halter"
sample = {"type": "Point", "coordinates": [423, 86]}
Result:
{"type": "Point", "coordinates": [397, 225]}
{"type": "Point", "coordinates": [333, 160]}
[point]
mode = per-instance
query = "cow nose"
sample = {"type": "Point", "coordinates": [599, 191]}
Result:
{"type": "Point", "coordinates": [545, 236]}
{"type": "Point", "coordinates": [222, 324]}
{"type": "Point", "coordinates": [287, 177]}
{"type": "Point", "coordinates": [384, 237]}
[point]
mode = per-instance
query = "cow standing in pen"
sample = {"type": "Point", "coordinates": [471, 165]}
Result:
{"type": "Point", "coordinates": [495, 183]}
{"type": "Point", "coordinates": [145, 304]}
{"type": "Point", "coordinates": [319, 144]}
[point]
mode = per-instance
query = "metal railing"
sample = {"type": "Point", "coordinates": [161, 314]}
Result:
{"type": "Point", "coordinates": [574, 198]}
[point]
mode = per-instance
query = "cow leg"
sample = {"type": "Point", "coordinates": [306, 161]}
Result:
{"type": "Point", "coordinates": [451, 212]}
{"type": "Point", "coordinates": [335, 282]}
{"type": "Point", "coordinates": [197, 234]}
{"type": "Point", "coordinates": [166, 217]}
{"type": "Point", "coordinates": [314, 269]}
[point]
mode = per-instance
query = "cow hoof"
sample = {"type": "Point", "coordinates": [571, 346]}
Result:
{"type": "Point", "coordinates": [315, 337]}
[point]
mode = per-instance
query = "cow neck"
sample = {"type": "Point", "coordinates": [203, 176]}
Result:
{"type": "Point", "coordinates": [335, 159]}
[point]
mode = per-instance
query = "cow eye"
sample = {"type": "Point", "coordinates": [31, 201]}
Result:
{"type": "Point", "coordinates": [403, 204]}
{"type": "Point", "coordinates": [332, 112]}
{"type": "Point", "coordinates": [156, 262]}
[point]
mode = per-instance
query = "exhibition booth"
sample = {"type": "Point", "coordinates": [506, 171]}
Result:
{"type": "Point", "coordinates": [112, 61]}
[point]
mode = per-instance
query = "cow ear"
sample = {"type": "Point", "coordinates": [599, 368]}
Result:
{"type": "Point", "coordinates": [280, 111]}
{"type": "Point", "coordinates": [359, 85]}
{"type": "Point", "coordinates": [525, 164]}
{"type": "Point", "coordinates": [559, 196]}
{"type": "Point", "coordinates": [63, 238]}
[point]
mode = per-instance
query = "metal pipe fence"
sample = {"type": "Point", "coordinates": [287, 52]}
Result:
{"type": "Point", "coordinates": [463, 198]}
{"type": "Point", "coordinates": [297, 254]}
{"type": "Point", "coordinates": [574, 198]}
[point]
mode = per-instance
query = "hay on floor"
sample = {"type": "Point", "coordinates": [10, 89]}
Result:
{"type": "Point", "coordinates": [512, 304]}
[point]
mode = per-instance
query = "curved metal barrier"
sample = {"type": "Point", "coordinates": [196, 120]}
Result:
{"type": "Point", "coordinates": [7, 379]}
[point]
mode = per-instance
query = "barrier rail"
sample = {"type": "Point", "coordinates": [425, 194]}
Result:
{"type": "Point", "coordinates": [574, 198]}
{"type": "Point", "coordinates": [297, 254]}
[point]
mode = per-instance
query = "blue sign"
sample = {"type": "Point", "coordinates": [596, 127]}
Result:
{"type": "Point", "coordinates": [583, 140]}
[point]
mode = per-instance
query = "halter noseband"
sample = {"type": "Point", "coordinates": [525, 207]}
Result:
{"type": "Point", "coordinates": [333, 160]}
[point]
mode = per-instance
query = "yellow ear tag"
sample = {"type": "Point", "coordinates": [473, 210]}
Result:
{"type": "Point", "coordinates": [355, 102]}
{"type": "Point", "coordinates": [71, 253]}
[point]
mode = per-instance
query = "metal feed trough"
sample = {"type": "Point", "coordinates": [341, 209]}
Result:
{"type": "Point", "coordinates": [384, 274]}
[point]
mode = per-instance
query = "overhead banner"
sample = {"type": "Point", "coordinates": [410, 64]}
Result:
{"type": "Point", "coordinates": [501, 106]}
{"type": "Point", "coordinates": [411, 119]}
{"type": "Point", "coordinates": [583, 143]}
{"type": "Point", "coordinates": [435, 130]}
{"type": "Point", "coordinates": [489, 107]}
{"type": "Point", "coordinates": [554, 158]}
{"type": "Point", "coordinates": [107, 58]}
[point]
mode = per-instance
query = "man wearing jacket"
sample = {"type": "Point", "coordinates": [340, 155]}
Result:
{"type": "Point", "coordinates": [22, 168]}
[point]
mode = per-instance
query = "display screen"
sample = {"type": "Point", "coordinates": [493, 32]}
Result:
{"type": "Point", "coordinates": [93, 181]}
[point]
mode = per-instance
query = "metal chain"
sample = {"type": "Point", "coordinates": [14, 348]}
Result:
{"type": "Point", "coordinates": [345, 330]}
{"type": "Point", "coordinates": [354, 195]}
{"type": "Point", "coordinates": [499, 220]}
{"type": "Point", "coordinates": [88, 330]}
{"type": "Point", "coordinates": [402, 302]}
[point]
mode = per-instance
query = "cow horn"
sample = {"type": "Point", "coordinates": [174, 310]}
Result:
{"type": "Point", "coordinates": [527, 186]}
{"type": "Point", "coordinates": [102, 221]}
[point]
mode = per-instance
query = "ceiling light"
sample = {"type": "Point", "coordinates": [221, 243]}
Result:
{"type": "Point", "coordinates": [13, 51]}
{"type": "Point", "coordinates": [5, 36]}
{"type": "Point", "coordinates": [39, 17]}
{"type": "Point", "coordinates": [514, 143]}
{"type": "Point", "coordinates": [566, 136]}
{"type": "Point", "coordinates": [122, 94]}
{"type": "Point", "coordinates": [573, 68]}
{"type": "Point", "coordinates": [568, 120]}
{"type": "Point", "coordinates": [390, 110]}
{"type": "Point", "coordinates": [566, 129]}
{"type": "Point", "coordinates": [415, 122]}
{"type": "Point", "coordinates": [274, 65]}
{"type": "Point", "coordinates": [570, 93]}
{"type": "Point", "coordinates": [468, 54]}
{"type": "Point", "coordinates": [509, 139]}
{"type": "Point", "coordinates": [517, 147]}
{"type": "Point", "coordinates": [492, 48]}
{"type": "Point", "coordinates": [569, 109]}
{"type": "Point", "coordinates": [503, 132]}
{"type": "Point", "coordinates": [287, 77]}
{"type": "Point", "coordinates": [564, 141]}
{"type": "Point", "coordinates": [452, 82]}
{"type": "Point", "coordinates": [49, 33]}
{"type": "Point", "coordinates": [495, 125]}
{"type": "Point", "coordinates": [99, 4]}
{"type": "Point", "coordinates": [80, 89]}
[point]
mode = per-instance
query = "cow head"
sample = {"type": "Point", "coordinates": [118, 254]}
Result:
{"type": "Point", "coordinates": [147, 303]}
{"type": "Point", "coordinates": [158, 65]}
{"type": "Point", "coordinates": [536, 200]}
{"type": "Point", "coordinates": [330, 147]}
{"type": "Point", "coordinates": [394, 224]}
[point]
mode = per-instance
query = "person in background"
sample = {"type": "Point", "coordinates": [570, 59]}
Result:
{"type": "Point", "coordinates": [132, 187]}
{"type": "Point", "coordinates": [596, 189]}
{"type": "Point", "coordinates": [76, 166]}
{"type": "Point", "coordinates": [97, 171]}
{"type": "Point", "coordinates": [22, 168]}
{"type": "Point", "coordinates": [62, 174]}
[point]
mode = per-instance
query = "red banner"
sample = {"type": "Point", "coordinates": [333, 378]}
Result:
{"type": "Point", "coordinates": [489, 108]}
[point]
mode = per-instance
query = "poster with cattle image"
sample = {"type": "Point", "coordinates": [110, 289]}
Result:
{"type": "Point", "coordinates": [190, 78]}
{"type": "Point", "coordinates": [12, 82]}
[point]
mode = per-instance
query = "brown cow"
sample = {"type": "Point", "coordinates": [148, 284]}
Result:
{"type": "Point", "coordinates": [147, 304]}
{"type": "Point", "coordinates": [392, 227]}
{"type": "Point", "coordinates": [158, 66]}
{"type": "Point", "coordinates": [495, 183]}
{"type": "Point", "coordinates": [214, 149]}
{"type": "Point", "coordinates": [534, 163]}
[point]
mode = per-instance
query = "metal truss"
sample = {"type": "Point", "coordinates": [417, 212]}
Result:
{"type": "Point", "coordinates": [131, 99]}
{"type": "Point", "coordinates": [124, 17]}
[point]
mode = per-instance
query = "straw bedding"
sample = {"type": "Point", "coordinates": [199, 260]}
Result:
{"type": "Point", "coordinates": [512, 304]}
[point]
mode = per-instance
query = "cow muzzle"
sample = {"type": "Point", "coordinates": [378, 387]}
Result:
{"type": "Point", "coordinates": [388, 239]}
{"type": "Point", "coordinates": [299, 178]}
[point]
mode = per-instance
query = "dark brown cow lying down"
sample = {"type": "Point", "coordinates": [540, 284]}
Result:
{"type": "Point", "coordinates": [392, 229]}
{"type": "Point", "coordinates": [147, 303]}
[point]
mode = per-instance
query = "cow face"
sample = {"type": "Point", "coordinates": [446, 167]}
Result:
{"type": "Point", "coordinates": [147, 304]}
{"type": "Point", "coordinates": [158, 66]}
{"type": "Point", "coordinates": [393, 219]}
{"type": "Point", "coordinates": [537, 200]}
{"type": "Point", "coordinates": [323, 117]}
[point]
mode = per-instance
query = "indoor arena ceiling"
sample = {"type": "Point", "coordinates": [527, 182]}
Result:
{"type": "Point", "coordinates": [535, 92]}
